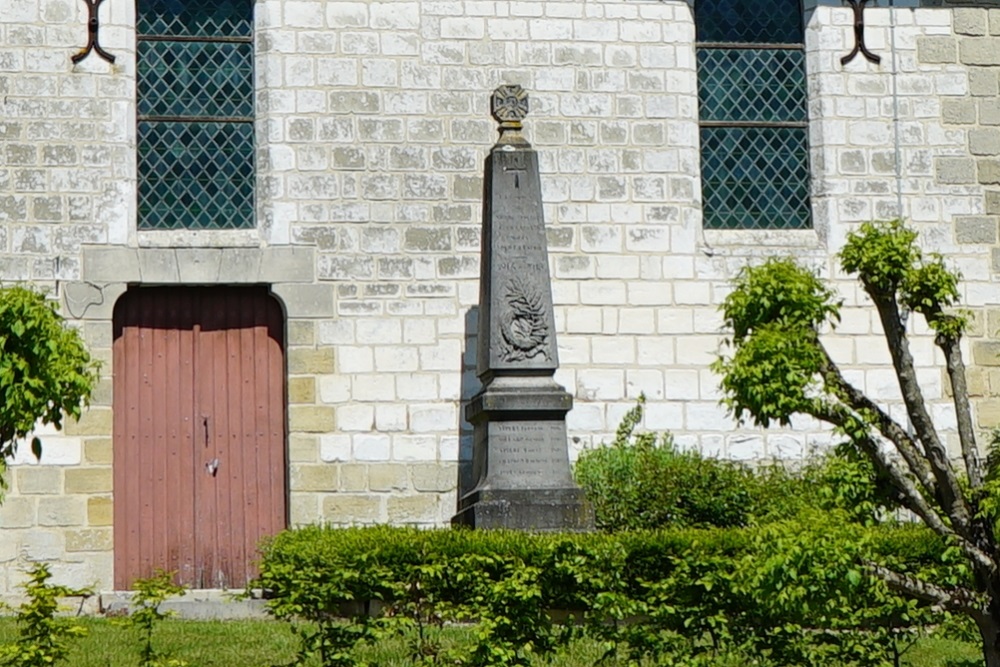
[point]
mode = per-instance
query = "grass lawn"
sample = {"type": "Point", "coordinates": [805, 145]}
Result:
{"type": "Point", "coordinates": [267, 643]}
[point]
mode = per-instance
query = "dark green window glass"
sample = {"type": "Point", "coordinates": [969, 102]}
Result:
{"type": "Point", "coordinates": [752, 104]}
{"type": "Point", "coordinates": [754, 177]}
{"type": "Point", "coordinates": [756, 22]}
{"type": "Point", "coordinates": [195, 106]}
{"type": "Point", "coordinates": [752, 85]}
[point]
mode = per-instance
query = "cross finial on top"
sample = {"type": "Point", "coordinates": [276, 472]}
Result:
{"type": "Point", "coordinates": [509, 106]}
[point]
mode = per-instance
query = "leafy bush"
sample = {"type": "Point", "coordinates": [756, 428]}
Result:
{"type": "Point", "coordinates": [43, 639]}
{"type": "Point", "coordinates": [45, 370]}
{"type": "Point", "coordinates": [788, 593]}
{"type": "Point", "coordinates": [642, 481]}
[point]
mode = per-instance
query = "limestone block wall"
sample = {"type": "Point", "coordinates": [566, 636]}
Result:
{"type": "Point", "coordinates": [372, 128]}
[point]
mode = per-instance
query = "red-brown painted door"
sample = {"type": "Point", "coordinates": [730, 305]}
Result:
{"type": "Point", "coordinates": [199, 432]}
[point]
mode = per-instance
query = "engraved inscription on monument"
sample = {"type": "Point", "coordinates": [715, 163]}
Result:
{"type": "Point", "coordinates": [528, 454]}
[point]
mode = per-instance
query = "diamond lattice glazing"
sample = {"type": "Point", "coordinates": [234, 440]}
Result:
{"type": "Point", "coordinates": [204, 18]}
{"type": "Point", "coordinates": [195, 79]}
{"type": "Point", "coordinates": [761, 85]}
{"type": "Point", "coordinates": [760, 21]}
{"type": "Point", "coordinates": [755, 178]}
{"type": "Point", "coordinates": [196, 175]}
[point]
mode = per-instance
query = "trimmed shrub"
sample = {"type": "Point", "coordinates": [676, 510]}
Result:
{"type": "Point", "coordinates": [788, 593]}
{"type": "Point", "coordinates": [641, 481]}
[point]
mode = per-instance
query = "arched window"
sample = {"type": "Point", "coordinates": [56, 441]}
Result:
{"type": "Point", "coordinates": [752, 109]}
{"type": "Point", "coordinates": [195, 114]}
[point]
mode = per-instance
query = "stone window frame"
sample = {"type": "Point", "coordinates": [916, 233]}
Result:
{"type": "Point", "coordinates": [248, 233]}
{"type": "Point", "coordinates": [768, 238]}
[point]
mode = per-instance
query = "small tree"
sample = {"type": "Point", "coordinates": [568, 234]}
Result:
{"type": "Point", "coordinates": [45, 370]}
{"type": "Point", "coordinates": [779, 368]}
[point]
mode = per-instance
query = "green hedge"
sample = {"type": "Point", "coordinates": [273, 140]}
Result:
{"type": "Point", "coordinates": [788, 593]}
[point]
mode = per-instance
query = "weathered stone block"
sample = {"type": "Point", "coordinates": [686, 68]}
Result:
{"type": "Point", "coordinates": [302, 390]}
{"type": "Point", "coordinates": [311, 361]}
{"type": "Point", "coordinates": [429, 239]}
{"type": "Point", "coordinates": [958, 111]}
{"type": "Point", "coordinates": [983, 82]}
{"type": "Point", "coordinates": [100, 511]}
{"type": "Point", "coordinates": [89, 480]}
{"type": "Point", "coordinates": [302, 448]}
{"type": "Point", "coordinates": [988, 171]}
{"type": "Point", "coordinates": [937, 50]}
{"type": "Point", "coordinates": [319, 477]}
{"type": "Point", "coordinates": [305, 301]}
{"type": "Point", "coordinates": [311, 419]}
{"type": "Point", "coordinates": [993, 202]}
{"type": "Point", "coordinates": [440, 477]}
{"type": "Point", "coordinates": [240, 265]}
{"type": "Point", "coordinates": [986, 353]}
{"type": "Point", "coordinates": [302, 332]}
{"type": "Point", "coordinates": [97, 451]}
{"type": "Point", "coordinates": [969, 21]}
{"type": "Point", "coordinates": [956, 170]}
{"type": "Point", "coordinates": [975, 229]}
{"type": "Point", "coordinates": [17, 513]}
{"type": "Point", "coordinates": [387, 477]}
{"type": "Point", "coordinates": [351, 509]}
{"type": "Point", "coordinates": [994, 21]}
{"type": "Point", "coordinates": [158, 265]}
{"type": "Point", "coordinates": [287, 264]}
{"type": "Point", "coordinates": [111, 265]}
{"type": "Point", "coordinates": [984, 141]}
{"type": "Point", "coordinates": [988, 413]}
{"type": "Point", "coordinates": [95, 421]}
{"type": "Point", "coordinates": [980, 51]}
{"type": "Point", "coordinates": [421, 508]}
{"type": "Point", "coordinates": [89, 539]}
{"type": "Point", "coordinates": [61, 511]}
{"type": "Point", "coordinates": [45, 480]}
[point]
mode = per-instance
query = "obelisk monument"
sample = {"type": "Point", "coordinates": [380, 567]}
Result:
{"type": "Point", "coordinates": [520, 458]}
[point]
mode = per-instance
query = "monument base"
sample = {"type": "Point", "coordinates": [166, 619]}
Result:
{"type": "Point", "coordinates": [543, 510]}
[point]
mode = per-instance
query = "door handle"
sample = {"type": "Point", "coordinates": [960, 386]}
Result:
{"type": "Point", "coordinates": [204, 421]}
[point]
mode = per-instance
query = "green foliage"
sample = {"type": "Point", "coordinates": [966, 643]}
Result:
{"type": "Point", "coordinates": [774, 311]}
{"type": "Point", "coordinates": [43, 639]}
{"type": "Point", "coordinates": [792, 592]}
{"type": "Point", "coordinates": [149, 594]}
{"type": "Point", "coordinates": [778, 292]}
{"type": "Point", "coordinates": [45, 370]}
{"type": "Point", "coordinates": [887, 261]}
{"type": "Point", "coordinates": [642, 481]}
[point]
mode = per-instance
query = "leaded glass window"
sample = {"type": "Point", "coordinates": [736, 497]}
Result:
{"type": "Point", "coordinates": [752, 108]}
{"type": "Point", "coordinates": [195, 106]}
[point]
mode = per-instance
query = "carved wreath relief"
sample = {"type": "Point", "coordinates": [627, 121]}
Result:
{"type": "Point", "coordinates": [523, 327]}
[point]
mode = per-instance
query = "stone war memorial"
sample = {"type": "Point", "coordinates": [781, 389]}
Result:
{"type": "Point", "coordinates": [520, 460]}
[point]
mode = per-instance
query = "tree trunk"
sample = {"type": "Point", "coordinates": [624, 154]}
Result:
{"type": "Point", "coordinates": [989, 629]}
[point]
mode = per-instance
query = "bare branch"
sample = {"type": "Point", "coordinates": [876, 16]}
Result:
{"type": "Point", "coordinates": [886, 425]}
{"type": "Point", "coordinates": [963, 413]}
{"type": "Point", "coordinates": [949, 492]}
{"type": "Point", "coordinates": [953, 599]}
{"type": "Point", "coordinates": [910, 495]}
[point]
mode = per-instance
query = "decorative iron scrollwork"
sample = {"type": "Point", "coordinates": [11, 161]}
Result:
{"type": "Point", "coordinates": [859, 34]}
{"type": "Point", "coordinates": [93, 43]}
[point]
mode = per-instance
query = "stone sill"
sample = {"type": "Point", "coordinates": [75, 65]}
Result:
{"type": "Point", "coordinates": [199, 238]}
{"type": "Point", "coordinates": [735, 241]}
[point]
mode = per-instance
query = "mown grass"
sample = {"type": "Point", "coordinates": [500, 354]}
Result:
{"type": "Point", "coordinates": [261, 643]}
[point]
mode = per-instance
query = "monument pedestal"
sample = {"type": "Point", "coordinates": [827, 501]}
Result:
{"type": "Point", "coordinates": [562, 510]}
{"type": "Point", "coordinates": [520, 460]}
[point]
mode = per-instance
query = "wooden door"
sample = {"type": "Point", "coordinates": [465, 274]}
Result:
{"type": "Point", "coordinates": [199, 432]}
